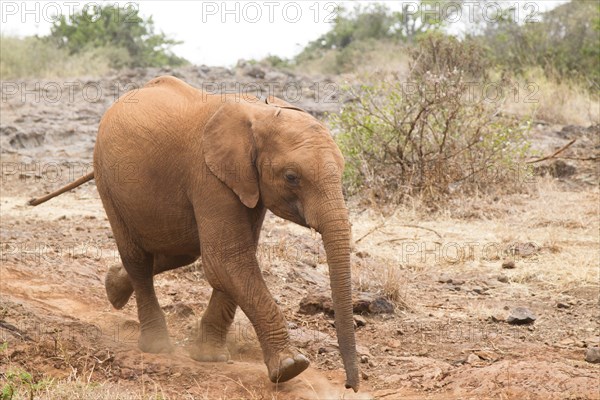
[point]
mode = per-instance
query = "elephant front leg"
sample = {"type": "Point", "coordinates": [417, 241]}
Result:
{"type": "Point", "coordinates": [210, 342]}
{"type": "Point", "coordinates": [240, 277]}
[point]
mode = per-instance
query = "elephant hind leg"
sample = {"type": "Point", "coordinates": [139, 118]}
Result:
{"type": "Point", "coordinates": [118, 286]}
{"type": "Point", "coordinates": [117, 283]}
{"type": "Point", "coordinates": [210, 342]}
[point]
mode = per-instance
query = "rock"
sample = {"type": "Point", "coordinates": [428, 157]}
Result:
{"type": "Point", "coordinates": [444, 279]}
{"type": "Point", "coordinates": [364, 376]}
{"type": "Point", "coordinates": [308, 274]}
{"type": "Point", "coordinates": [508, 264]}
{"type": "Point", "coordinates": [303, 337]}
{"type": "Point", "coordinates": [364, 359]}
{"type": "Point", "coordinates": [327, 349]}
{"type": "Point", "coordinates": [472, 359]}
{"type": "Point", "coordinates": [362, 303]}
{"type": "Point", "coordinates": [592, 341]}
{"type": "Point", "coordinates": [486, 355]}
{"type": "Point", "coordinates": [366, 303]}
{"type": "Point", "coordinates": [592, 355]}
{"type": "Point", "coordinates": [560, 169]}
{"type": "Point", "coordinates": [502, 278]}
{"type": "Point", "coordinates": [363, 351]}
{"type": "Point", "coordinates": [179, 309]}
{"type": "Point", "coordinates": [562, 305]}
{"type": "Point", "coordinates": [478, 289]}
{"type": "Point", "coordinates": [362, 254]}
{"type": "Point", "coordinates": [521, 316]}
{"type": "Point", "coordinates": [524, 249]}
{"type": "Point", "coordinates": [393, 379]}
{"type": "Point", "coordinates": [360, 321]}
{"type": "Point", "coordinates": [313, 304]}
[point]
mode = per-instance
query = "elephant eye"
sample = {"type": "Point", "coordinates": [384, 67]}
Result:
{"type": "Point", "coordinates": [291, 177]}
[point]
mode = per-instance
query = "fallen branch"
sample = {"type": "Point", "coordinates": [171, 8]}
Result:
{"type": "Point", "coordinates": [580, 158]}
{"type": "Point", "coordinates": [376, 227]}
{"type": "Point", "coordinates": [566, 146]}
{"type": "Point", "coordinates": [422, 227]}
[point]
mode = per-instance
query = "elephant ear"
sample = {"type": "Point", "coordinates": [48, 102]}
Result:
{"type": "Point", "coordinates": [229, 152]}
{"type": "Point", "coordinates": [277, 102]}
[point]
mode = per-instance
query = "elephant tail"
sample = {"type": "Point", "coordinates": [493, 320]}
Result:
{"type": "Point", "coordinates": [72, 185]}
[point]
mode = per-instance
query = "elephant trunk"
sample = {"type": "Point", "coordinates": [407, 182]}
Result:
{"type": "Point", "coordinates": [335, 230]}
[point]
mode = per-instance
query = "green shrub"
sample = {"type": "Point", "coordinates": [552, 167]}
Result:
{"type": "Point", "coordinates": [429, 136]}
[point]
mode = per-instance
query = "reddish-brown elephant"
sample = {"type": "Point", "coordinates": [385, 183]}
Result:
{"type": "Point", "coordinates": [182, 173]}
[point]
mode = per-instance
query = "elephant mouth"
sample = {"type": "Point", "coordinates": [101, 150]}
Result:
{"type": "Point", "coordinates": [293, 212]}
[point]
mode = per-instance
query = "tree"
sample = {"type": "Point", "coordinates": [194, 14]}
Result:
{"type": "Point", "coordinates": [115, 27]}
{"type": "Point", "coordinates": [565, 43]}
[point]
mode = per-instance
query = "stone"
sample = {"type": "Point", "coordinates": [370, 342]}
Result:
{"type": "Point", "coordinates": [478, 289]}
{"type": "Point", "coordinates": [473, 359]}
{"type": "Point", "coordinates": [502, 278]}
{"type": "Point", "coordinates": [562, 305]}
{"type": "Point", "coordinates": [362, 303]}
{"type": "Point", "coordinates": [366, 303]}
{"type": "Point", "coordinates": [360, 321]}
{"type": "Point", "coordinates": [521, 316]}
{"type": "Point", "coordinates": [363, 351]}
{"type": "Point", "coordinates": [362, 254]}
{"type": "Point", "coordinates": [179, 309]}
{"type": "Point", "coordinates": [393, 379]}
{"type": "Point", "coordinates": [592, 355]}
{"type": "Point", "coordinates": [508, 264]}
{"type": "Point", "coordinates": [524, 249]}
{"type": "Point", "coordinates": [312, 304]}
{"type": "Point", "coordinates": [486, 355]}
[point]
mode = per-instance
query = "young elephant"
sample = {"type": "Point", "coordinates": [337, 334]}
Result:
{"type": "Point", "coordinates": [182, 173]}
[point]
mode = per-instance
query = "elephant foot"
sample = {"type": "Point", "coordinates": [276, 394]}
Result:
{"type": "Point", "coordinates": [149, 343]}
{"type": "Point", "coordinates": [118, 287]}
{"type": "Point", "coordinates": [210, 353]}
{"type": "Point", "coordinates": [286, 366]}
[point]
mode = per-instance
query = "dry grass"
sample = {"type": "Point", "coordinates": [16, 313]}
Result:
{"type": "Point", "coordinates": [568, 248]}
{"type": "Point", "coordinates": [558, 103]}
{"type": "Point", "coordinates": [33, 58]}
{"type": "Point", "coordinates": [359, 60]}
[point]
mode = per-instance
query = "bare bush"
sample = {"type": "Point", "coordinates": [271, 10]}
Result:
{"type": "Point", "coordinates": [431, 136]}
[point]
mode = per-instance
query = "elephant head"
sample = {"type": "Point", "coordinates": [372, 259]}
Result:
{"type": "Point", "coordinates": [279, 155]}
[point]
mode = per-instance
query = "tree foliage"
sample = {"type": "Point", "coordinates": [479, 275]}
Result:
{"type": "Point", "coordinates": [373, 22]}
{"type": "Point", "coordinates": [116, 28]}
{"type": "Point", "coordinates": [565, 43]}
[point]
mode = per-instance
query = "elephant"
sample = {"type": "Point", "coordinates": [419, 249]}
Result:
{"type": "Point", "coordinates": [184, 174]}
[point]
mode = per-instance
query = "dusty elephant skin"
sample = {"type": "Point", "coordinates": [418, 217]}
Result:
{"type": "Point", "coordinates": [182, 173]}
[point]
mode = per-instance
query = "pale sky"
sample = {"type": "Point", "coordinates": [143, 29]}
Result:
{"type": "Point", "coordinates": [222, 32]}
